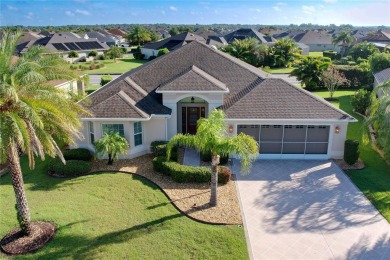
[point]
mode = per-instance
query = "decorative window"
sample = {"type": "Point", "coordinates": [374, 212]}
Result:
{"type": "Point", "coordinates": [91, 132]}
{"type": "Point", "coordinates": [311, 126]}
{"type": "Point", "coordinates": [299, 126]}
{"type": "Point", "coordinates": [254, 126]}
{"type": "Point", "coordinates": [265, 126]}
{"type": "Point", "coordinates": [277, 126]}
{"type": "Point", "coordinates": [288, 126]}
{"type": "Point", "coordinates": [322, 127]}
{"type": "Point", "coordinates": [137, 133]}
{"type": "Point", "coordinates": [118, 128]}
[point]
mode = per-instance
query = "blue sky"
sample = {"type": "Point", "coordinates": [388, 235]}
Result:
{"type": "Point", "coordinates": [65, 12]}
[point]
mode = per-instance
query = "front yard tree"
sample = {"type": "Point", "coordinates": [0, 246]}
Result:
{"type": "Point", "coordinates": [283, 53]}
{"type": "Point", "coordinates": [73, 54]}
{"type": "Point", "coordinates": [112, 144]}
{"type": "Point", "coordinates": [309, 71]}
{"type": "Point", "coordinates": [332, 79]}
{"type": "Point", "coordinates": [114, 53]}
{"type": "Point", "coordinates": [34, 116]}
{"type": "Point", "coordinates": [211, 136]}
{"type": "Point", "coordinates": [346, 38]}
{"type": "Point", "coordinates": [139, 35]}
{"type": "Point", "coordinates": [93, 54]}
{"type": "Point", "coordinates": [363, 50]}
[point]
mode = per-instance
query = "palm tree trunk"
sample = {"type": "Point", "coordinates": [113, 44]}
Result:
{"type": "Point", "coordinates": [214, 180]}
{"type": "Point", "coordinates": [109, 159]}
{"type": "Point", "coordinates": [18, 184]}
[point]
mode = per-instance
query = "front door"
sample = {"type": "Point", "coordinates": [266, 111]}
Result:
{"type": "Point", "coordinates": [193, 114]}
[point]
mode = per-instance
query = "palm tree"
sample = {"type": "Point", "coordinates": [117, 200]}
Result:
{"type": "Point", "coordinates": [283, 52]}
{"type": "Point", "coordinates": [139, 35]}
{"type": "Point", "coordinates": [309, 71]}
{"type": "Point", "coordinates": [112, 144]}
{"type": "Point", "coordinates": [346, 38]}
{"type": "Point", "coordinates": [34, 116]}
{"type": "Point", "coordinates": [211, 136]}
{"type": "Point", "coordinates": [379, 116]}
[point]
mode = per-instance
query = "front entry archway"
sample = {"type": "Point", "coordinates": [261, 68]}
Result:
{"type": "Point", "coordinates": [190, 111]}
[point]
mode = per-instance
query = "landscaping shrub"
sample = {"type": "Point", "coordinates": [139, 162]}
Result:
{"type": "Point", "coordinates": [333, 55]}
{"type": "Point", "coordinates": [162, 52]}
{"type": "Point", "coordinates": [81, 154]}
{"type": "Point", "coordinates": [151, 58]}
{"type": "Point", "coordinates": [124, 50]}
{"type": "Point", "coordinates": [93, 54]}
{"type": "Point", "coordinates": [206, 157]}
{"type": "Point", "coordinates": [356, 75]}
{"type": "Point", "coordinates": [82, 59]}
{"type": "Point", "coordinates": [71, 168]}
{"type": "Point", "coordinates": [105, 79]}
{"type": "Point", "coordinates": [184, 173]}
{"type": "Point", "coordinates": [361, 100]}
{"type": "Point", "coordinates": [326, 59]}
{"type": "Point", "coordinates": [159, 148]}
{"type": "Point", "coordinates": [73, 67]}
{"type": "Point", "coordinates": [351, 151]}
{"type": "Point", "coordinates": [102, 57]}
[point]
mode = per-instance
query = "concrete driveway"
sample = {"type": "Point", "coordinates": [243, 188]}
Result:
{"type": "Point", "coordinates": [295, 209]}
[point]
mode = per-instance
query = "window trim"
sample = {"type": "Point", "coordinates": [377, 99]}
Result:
{"type": "Point", "coordinates": [123, 126]}
{"type": "Point", "coordinates": [91, 129]}
{"type": "Point", "coordinates": [138, 133]}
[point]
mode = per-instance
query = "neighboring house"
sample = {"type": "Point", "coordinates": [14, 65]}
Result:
{"type": "Point", "coordinates": [65, 42]}
{"type": "Point", "coordinates": [216, 41]}
{"type": "Point", "coordinates": [243, 33]}
{"type": "Point", "coordinates": [75, 86]}
{"type": "Point", "coordinates": [317, 41]}
{"type": "Point", "coordinates": [172, 43]}
{"type": "Point", "coordinates": [25, 39]}
{"type": "Point", "coordinates": [118, 33]}
{"type": "Point", "coordinates": [270, 31]}
{"type": "Point", "coordinates": [377, 37]}
{"type": "Point", "coordinates": [168, 95]}
{"type": "Point", "coordinates": [380, 78]}
{"type": "Point", "coordinates": [104, 38]}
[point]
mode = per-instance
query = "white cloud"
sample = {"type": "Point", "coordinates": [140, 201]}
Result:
{"type": "Point", "coordinates": [277, 8]}
{"type": "Point", "coordinates": [69, 13]}
{"type": "Point", "coordinates": [330, 1]}
{"type": "Point", "coordinates": [12, 8]}
{"type": "Point", "coordinates": [83, 12]}
{"type": "Point", "coordinates": [29, 15]}
{"type": "Point", "coordinates": [308, 9]}
{"type": "Point", "coordinates": [173, 8]}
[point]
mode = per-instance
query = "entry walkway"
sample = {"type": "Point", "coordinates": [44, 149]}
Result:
{"type": "Point", "coordinates": [191, 157]}
{"type": "Point", "coordinates": [295, 209]}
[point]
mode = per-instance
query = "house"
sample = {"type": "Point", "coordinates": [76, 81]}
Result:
{"type": "Point", "coordinates": [118, 33]}
{"type": "Point", "coordinates": [381, 77]}
{"type": "Point", "coordinates": [172, 43]}
{"type": "Point", "coordinates": [65, 42]}
{"type": "Point", "coordinates": [169, 94]}
{"type": "Point", "coordinates": [75, 86]}
{"type": "Point", "coordinates": [317, 40]}
{"type": "Point", "coordinates": [380, 36]}
{"type": "Point", "coordinates": [243, 33]}
{"type": "Point", "coordinates": [104, 38]}
{"type": "Point", "coordinates": [25, 39]}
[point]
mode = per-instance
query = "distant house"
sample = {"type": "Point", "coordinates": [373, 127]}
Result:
{"type": "Point", "coordinates": [377, 37]}
{"type": "Point", "coordinates": [216, 41]}
{"type": "Point", "coordinates": [75, 86]}
{"type": "Point", "coordinates": [381, 77]}
{"type": "Point", "coordinates": [25, 39]}
{"type": "Point", "coordinates": [316, 40]}
{"type": "Point", "coordinates": [65, 42]}
{"type": "Point", "coordinates": [243, 33]}
{"type": "Point", "coordinates": [172, 43]}
{"type": "Point", "coordinates": [270, 31]}
{"type": "Point", "coordinates": [110, 40]}
{"type": "Point", "coordinates": [119, 33]}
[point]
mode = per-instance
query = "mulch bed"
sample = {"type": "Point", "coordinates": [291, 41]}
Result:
{"type": "Point", "coordinates": [191, 198]}
{"type": "Point", "coordinates": [14, 243]}
{"type": "Point", "coordinates": [345, 166]}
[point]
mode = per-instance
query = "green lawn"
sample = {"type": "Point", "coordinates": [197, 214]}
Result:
{"type": "Point", "coordinates": [115, 216]}
{"type": "Point", "coordinates": [316, 53]}
{"type": "Point", "coordinates": [374, 180]}
{"type": "Point", "coordinates": [119, 67]}
{"type": "Point", "coordinates": [278, 70]}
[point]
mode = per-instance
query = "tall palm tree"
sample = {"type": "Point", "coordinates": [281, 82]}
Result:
{"type": "Point", "coordinates": [111, 144]}
{"type": "Point", "coordinates": [211, 136]}
{"type": "Point", "coordinates": [346, 38]}
{"type": "Point", "coordinates": [33, 114]}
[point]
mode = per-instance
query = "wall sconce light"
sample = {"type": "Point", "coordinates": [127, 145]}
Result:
{"type": "Point", "coordinates": [192, 100]}
{"type": "Point", "coordinates": [231, 129]}
{"type": "Point", "coordinates": [337, 129]}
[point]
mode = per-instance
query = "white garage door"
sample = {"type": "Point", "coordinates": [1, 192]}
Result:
{"type": "Point", "coordinates": [289, 139]}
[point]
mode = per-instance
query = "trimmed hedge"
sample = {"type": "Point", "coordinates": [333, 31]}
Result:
{"type": "Point", "coordinates": [333, 55]}
{"type": "Point", "coordinates": [183, 173]}
{"type": "Point", "coordinates": [70, 169]}
{"type": "Point", "coordinates": [351, 151]}
{"type": "Point", "coordinates": [361, 100]}
{"type": "Point", "coordinates": [159, 148]}
{"type": "Point", "coordinates": [206, 157]}
{"type": "Point", "coordinates": [105, 79]}
{"type": "Point", "coordinates": [357, 76]}
{"type": "Point", "coordinates": [78, 154]}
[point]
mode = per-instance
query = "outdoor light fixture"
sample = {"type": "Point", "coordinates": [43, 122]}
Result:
{"type": "Point", "coordinates": [231, 129]}
{"type": "Point", "coordinates": [337, 130]}
{"type": "Point", "coordinates": [192, 100]}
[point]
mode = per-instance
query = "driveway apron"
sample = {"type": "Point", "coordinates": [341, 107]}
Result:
{"type": "Point", "coordinates": [295, 209]}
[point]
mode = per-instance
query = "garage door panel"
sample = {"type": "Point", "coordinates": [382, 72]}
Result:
{"type": "Point", "coordinates": [294, 133]}
{"type": "Point", "coordinates": [293, 148]}
{"type": "Point", "coordinates": [316, 148]}
{"type": "Point", "coordinates": [272, 133]}
{"type": "Point", "coordinates": [317, 133]}
{"type": "Point", "coordinates": [251, 130]}
{"type": "Point", "coordinates": [270, 148]}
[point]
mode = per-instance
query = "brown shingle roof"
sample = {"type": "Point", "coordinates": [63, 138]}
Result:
{"type": "Point", "coordinates": [314, 37]}
{"type": "Point", "coordinates": [174, 42]}
{"type": "Point", "coordinates": [193, 79]}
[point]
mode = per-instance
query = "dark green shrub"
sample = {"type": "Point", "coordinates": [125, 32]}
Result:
{"type": "Point", "coordinates": [361, 100]}
{"type": "Point", "coordinates": [71, 168]}
{"type": "Point", "coordinates": [78, 154]}
{"type": "Point", "coordinates": [206, 157]}
{"type": "Point", "coordinates": [224, 175]}
{"type": "Point", "coordinates": [351, 151]}
{"type": "Point", "coordinates": [73, 67]}
{"type": "Point", "coordinates": [162, 52]}
{"type": "Point", "coordinates": [151, 58]}
{"type": "Point", "coordinates": [105, 79]}
{"type": "Point", "coordinates": [159, 148]}
{"type": "Point", "coordinates": [356, 75]}
{"type": "Point", "coordinates": [102, 57]}
{"type": "Point", "coordinates": [82, 59]}
{"type": "Point", "coordinates": [157, 164]}
{"type": "Point", "coordinates": [93, 54]}
{"type": "Point", "coordinates": [124, 50]}
{"type": "Point", "coordinates": [333, 55]}
{"type": "Point", "coordinates": [138, 55]}
{"type": "Point", "coordinates": [326, 59]}
{"type": "Point", "coordinates": [352, 63]}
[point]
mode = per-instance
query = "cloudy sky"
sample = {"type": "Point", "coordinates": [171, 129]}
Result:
{"type": "Point", "coordinates": [65, 12]}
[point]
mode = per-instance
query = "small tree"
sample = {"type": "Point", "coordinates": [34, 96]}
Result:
{"type": "Point", "coordinates": [93, 54]}
{"type": "Point", "coordinates": [332, 79]}
{"type": "Point", "coordinates": [139, 35]}
{"type": "Point", "coordinates": [112, 144]}
{"type": "Point", "coordinates": [73, 54]}
{"type": "Point", "coordinates": [114, 53]}
{"type": "Point", "coordinates": [361, 100]}
{"type": "Point", "coordinates": [363, 50]}
{"type": "Point", "coordinates": [309, 71]}
{"type": "Point", "coordinates": [162, 52]}
{"type": "Point", "coordinates": [283, 53]}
